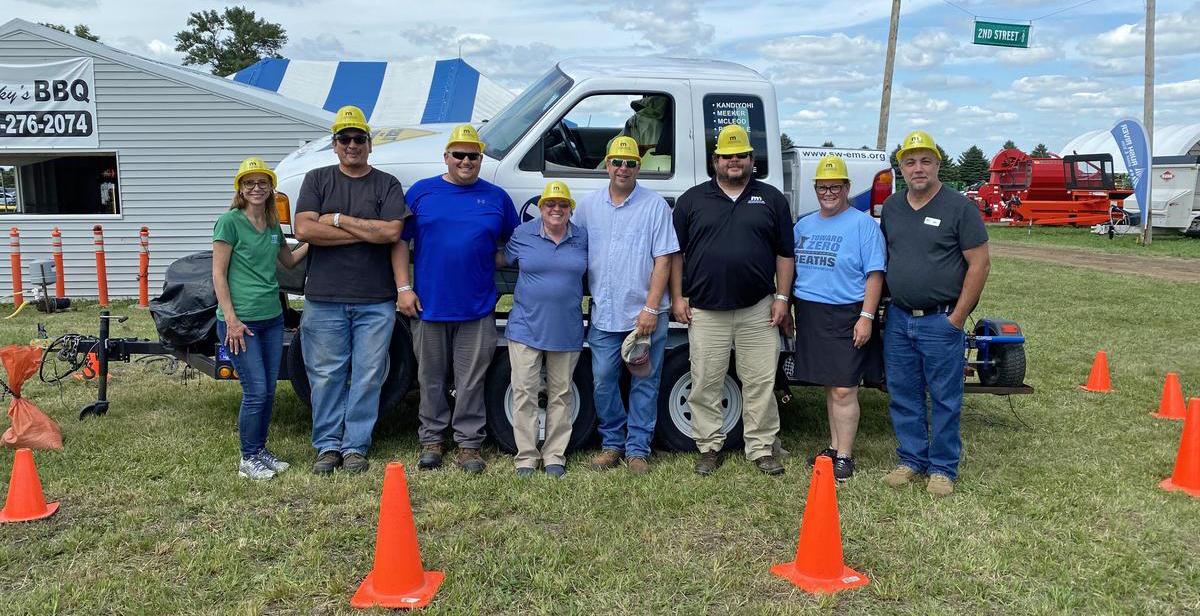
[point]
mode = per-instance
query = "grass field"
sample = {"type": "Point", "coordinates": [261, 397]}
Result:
{"type": "Point", "coordinates": [1163, 244]}
{"type": "Point", "coordinates": [1057, 510]}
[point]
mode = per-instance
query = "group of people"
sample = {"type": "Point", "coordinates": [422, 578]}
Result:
{"type": "Point", "coordinates": [727, 260]}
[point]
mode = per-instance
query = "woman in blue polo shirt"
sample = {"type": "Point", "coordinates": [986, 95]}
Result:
{"type": "Point", "coordinates": [840, 261]}
{"type": "Point", "coordinates": [546, 324]}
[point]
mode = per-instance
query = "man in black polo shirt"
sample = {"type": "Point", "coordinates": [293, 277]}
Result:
{"type": "Point", "coordinates": [937, 266]}
{"type": "Point", "coordinates": [735, 267]}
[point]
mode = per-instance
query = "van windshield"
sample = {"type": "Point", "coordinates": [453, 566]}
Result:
{"type": "Point", "coordinates": [502, 132]}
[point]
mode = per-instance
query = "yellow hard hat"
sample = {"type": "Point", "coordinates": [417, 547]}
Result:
{"type": "Point", "coordinates": [556, 190]}
{"type": "Point", "coordinates": [350, 117]}
{"type": "Point", "coordinates": [253, 164]}
{"type": "Point", "coordinates": [465, 133]}
{"type": "Point", "coordinates": [623, 147]}
{"type": "Point", "coordinates": [917, 140]}
{"type": "Point", "coordinates": [831, 167]}
{"type": "Point", "coordinates": [733, 140]}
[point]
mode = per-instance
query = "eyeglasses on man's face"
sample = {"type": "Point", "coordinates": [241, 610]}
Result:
{"type": "Point", "coordinates": [471, 156]}
{"type": "Point", "coordinates": [617, 163]}
{"type": "Point", "coordinates": [741, 156]}
{"type": "Point", "coordinates": [348, 139]}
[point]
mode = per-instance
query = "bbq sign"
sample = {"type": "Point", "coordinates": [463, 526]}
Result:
{"type": "Point", "coordinates": [48, 105]}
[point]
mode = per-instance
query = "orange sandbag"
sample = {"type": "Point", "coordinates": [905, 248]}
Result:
{"type": "Point", "coordinates": [30, 426]}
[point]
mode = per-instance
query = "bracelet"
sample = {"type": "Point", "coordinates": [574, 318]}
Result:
{"type": "Point", "coordinates": [779, 297]}
{"type": "Point", "coordinates": [407, 287]}
{"type": "Point", "coordinates": [869, 315]}
{"type": "Point", "coordinates": [337, 220]}
{"type": "Point", "coordinates": [650, 310]}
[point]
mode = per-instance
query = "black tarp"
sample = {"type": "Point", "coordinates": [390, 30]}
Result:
{"type": "Point", "coordinates": [186, 312]}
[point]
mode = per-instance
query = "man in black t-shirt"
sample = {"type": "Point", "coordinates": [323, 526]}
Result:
{"type": "Point", "coordinates": [735, 268]}
{"type": "Point", "coordinates": [351, 215]}
{"type": "Point", "coordinates": [937, 266]}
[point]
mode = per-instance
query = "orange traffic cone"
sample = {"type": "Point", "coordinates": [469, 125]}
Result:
{"type": "Point", "coordinates": [819, 567]}
{"type": "Point", "coordinates": [1098, 380]}
{"type": "Point", "coordinates": [398, 580]}
{"type": "Point", "coordinates": [25, 498]}
{"type": "Point", "coordinates": [1186, 477]}
{"type": "Point", "coordinates": [1171, 406]}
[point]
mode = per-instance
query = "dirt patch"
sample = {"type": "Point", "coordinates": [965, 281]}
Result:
{"type": "Point", "coordinates": [1163, 268]}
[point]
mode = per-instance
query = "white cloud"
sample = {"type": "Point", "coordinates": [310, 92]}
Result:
{"type": "Point", "coordinates": [929, 48]}
{"type": "Point", "coordinates": [837, 50]}
{"type": "Point", "coordinates": [928, 81]}
{"type": "Point", "coordinates": [808, 114]}
{"type": "Point", "coordinates": [1180, 90]}
{"type": "Point", "coordinates": [324, 46]}
{"type": "Point", "coordinates": [672, 26]}
{"type": "Point", "coordinates": [1174, 34]}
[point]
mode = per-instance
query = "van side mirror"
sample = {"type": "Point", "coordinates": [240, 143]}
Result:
{"type": "Point", "coordinates": [535, 158]}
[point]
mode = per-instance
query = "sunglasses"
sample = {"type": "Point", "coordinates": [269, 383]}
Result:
{"type": "Point", "coordinates": [346, 139]}
{"type": "Point", "coordinates": [742, 156]}
{"type": "Point", "coordinates": [562, 205]}
{"type": "Point", "coordinates": [836, 189]}
{"type": "Point", "coordinates": [471, 156]}
{"type": "Point", "coordinates": [617, 163]}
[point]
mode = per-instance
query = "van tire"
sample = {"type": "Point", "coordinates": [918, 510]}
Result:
{"type": "Point", "coordinates": [498, 400]}
{"type": "Point", "coordinates": [674, 429]}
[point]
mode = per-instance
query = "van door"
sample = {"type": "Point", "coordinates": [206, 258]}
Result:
{"type": "Point", "coordinates": [751, 104]}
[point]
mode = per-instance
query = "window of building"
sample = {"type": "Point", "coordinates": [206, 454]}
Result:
{"type": "Point", "coordinates": [722, 109]}
{"type": "Point", "coordinates": [577, 144]}
{"type": "Point", "coordinates": [60, 184]}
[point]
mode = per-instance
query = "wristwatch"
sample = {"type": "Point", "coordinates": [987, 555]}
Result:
{"type": "Point", "coordinates": [337, 220]}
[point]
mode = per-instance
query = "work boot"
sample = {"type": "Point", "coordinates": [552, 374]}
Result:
{"type": "Point", "coordinates": [708, 463]}
{"type": "Point", "coordinates": [469, 460]}
{"type": "Point", "coordinates": [769, 465]}
{"type": "Point", "coordinates": [606, 459]}
{"type": "Point", "coordinates": [843, 468]}
{"type": "Point", "coordinates": [828, 452]}
{"type": "Point", "coordinates": [431, 456]}
{"type": "Point", "coordinates": [326, 462]}
{"type": "Point", "coordinates": [638, 465]}
{"type": "Point", "coordinates": [940, 485]}
{"type": "Point", "coordinates": [355, 462]}
{"type": "Point", "coordinates": [901, 476]}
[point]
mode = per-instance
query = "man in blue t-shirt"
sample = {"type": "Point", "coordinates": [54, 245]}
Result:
{"type": "Point", "coordinates": [458, 223]}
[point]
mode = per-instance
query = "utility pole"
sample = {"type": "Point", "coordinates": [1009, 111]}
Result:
{"type": "Point", "coordinates": [1148, 122]}
{"type": "Point", "coordinates": [885, 102]}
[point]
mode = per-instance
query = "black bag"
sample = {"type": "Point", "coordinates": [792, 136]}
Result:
{"type": "Point", "coordinates": [186, 312]}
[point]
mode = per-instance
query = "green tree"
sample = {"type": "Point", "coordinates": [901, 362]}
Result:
{"type": "Point", "coordinates": [80, 30]}
{"type": "Point", "coordinates": [1041, 151]}
{"type": "Point", "coordinates": [1008, 144]}
{"type": "Point", "coordinates": [972, 166]}
{"type": "Point", "coordinates": [785, 142]}
{"type": "Point", "coordinates": [229, 41]}
{"type": "Point", "coordinates": [828, 144]}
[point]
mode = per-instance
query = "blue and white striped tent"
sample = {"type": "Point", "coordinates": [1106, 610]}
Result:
{"type": "Point", "coordinates": [389, 93]}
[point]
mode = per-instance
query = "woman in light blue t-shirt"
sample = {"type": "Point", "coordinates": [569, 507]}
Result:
{"type": "Point", "coordinates": [840, 261]}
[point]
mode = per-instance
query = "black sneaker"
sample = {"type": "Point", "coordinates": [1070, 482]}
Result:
{"type": "Point", "coordinates": [843, 468]}
{"type": "Point", "coordinates": [326, 462]}
{"type": "Point", "coordinates": [431, 456]}
{"type": "Point", "coordinates": [828, 452]}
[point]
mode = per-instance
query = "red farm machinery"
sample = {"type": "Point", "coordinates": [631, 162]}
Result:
{"type": "Point", "coordinates": [1072, 190]}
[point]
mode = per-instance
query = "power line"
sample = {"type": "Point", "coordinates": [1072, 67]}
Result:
{"type": "Point", "coordinates": [1050, 14]}
{"type": "Point", "coordinates": [1073, 6]}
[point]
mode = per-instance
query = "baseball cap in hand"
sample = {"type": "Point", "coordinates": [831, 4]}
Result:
{"type": "Point", "coordinates": [636, 353]}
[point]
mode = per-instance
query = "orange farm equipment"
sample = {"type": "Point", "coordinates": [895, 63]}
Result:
{"type": "Point", "coordinates": [1072, 190]}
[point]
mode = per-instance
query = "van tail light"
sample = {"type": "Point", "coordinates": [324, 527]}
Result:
{"type": "Point", "coordinates": [283, 208]}
{"type": "Point", "coordinates": [881, 189]}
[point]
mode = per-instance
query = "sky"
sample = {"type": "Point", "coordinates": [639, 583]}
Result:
{"type": "Point", "coordinates": [1082, 71]}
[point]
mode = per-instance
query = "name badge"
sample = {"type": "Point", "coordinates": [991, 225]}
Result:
{"type": "Point", "coordinates": [933, 222]}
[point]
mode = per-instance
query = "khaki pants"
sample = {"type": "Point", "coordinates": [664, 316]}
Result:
{"type": "Point", "coordinates": [712, 334]}
{"type": "Point", "coordinates": [526, 382]}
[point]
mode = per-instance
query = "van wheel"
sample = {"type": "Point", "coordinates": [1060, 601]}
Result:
{"type": "Point", "coordinates": [498, 399]}
{"type": "Point", "coordinates": [674, 427]}
{"type": "Point", "coordinates": [402, 366]}
{"type": "Point", "coordinates": [1009, 369]}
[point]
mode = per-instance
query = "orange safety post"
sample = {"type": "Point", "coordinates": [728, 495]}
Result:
{"type": "Point", "coordinates": [101, 269]}
{"type": "Point", "coordinates": [60, 284]}
{"type": "Point", "coordinates": [144, 270]}
{"type": "Point", "coordinates": [14, 252]}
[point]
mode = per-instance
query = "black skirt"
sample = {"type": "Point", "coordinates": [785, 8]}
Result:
{"type": "Point", "coordinates": [825, 353]}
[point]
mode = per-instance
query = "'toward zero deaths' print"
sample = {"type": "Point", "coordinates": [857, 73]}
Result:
{"type": "Point", "coordinates": [818, 251]}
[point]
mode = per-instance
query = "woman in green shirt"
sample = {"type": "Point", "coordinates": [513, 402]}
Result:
{"type": "Point", "coordinates": [247, 242]}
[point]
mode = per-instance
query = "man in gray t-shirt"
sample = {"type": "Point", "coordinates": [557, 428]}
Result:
{"type": "Point", "coordinates": [937, 266]}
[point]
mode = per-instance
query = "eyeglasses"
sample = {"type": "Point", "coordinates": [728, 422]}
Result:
{"type": "Point", "coordinates": [834, 189]}
{"type": "Point", "coordinates": [742, 156]}
{"type": "Point", "coordinates": [556, 204]}
{"type": "Point", "coordinates": [346, 139]}
{"type": "Point", "coordinates": [617, 163]}
{"type": "Point", "coordinates": [252, 184]}
{"type": "Point", "coordinates": [471, 156]}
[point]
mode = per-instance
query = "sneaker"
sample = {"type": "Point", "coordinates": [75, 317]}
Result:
{"type": "Point", "coordinates": [431, 456]}
{"type": "Point", "coordinates": [469, 460]}
{"type": "Point", "coordinates": [708, 463]}
{"type": "Point", "coordinates": [843, 468]}
{"type": "Point", "coordinates": [272, 462]}
{"type": "Point", "coordinates": [638, 465]}
{"type": "Point", "coordinates": [525, 471]}
{"type": "Point", "coordinates": [556, 470]}
{"type": "Point", "coordinates": [901, 476]}
{"type": "Point", "coordinates": [254, 468]}
{"type": "Point", "coordinates": [769, 465]}
{"type": "Point", "coordinates": [940, 485]}
{"type": "Point", "coordinates": [828, 452]}
{"type": "Point", "coordinates": [326, 462]}
{"type": "Point", "coordinates": [355, 462]}
{"type": "Point", "coordinates": [606, 459]}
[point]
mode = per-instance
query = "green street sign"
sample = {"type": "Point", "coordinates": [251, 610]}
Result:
{"type": "Point", "coordinates": [1002, 35]}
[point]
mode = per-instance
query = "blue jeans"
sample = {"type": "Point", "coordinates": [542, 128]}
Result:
{"type": "Point", "coordinates": [346, 358]}
{"type": "Point", "coordinates": [919, 354]}
{"type": "Point", "coordinates": [257, 370]}
{"type": "Point", "coordinates": [628, 432]}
